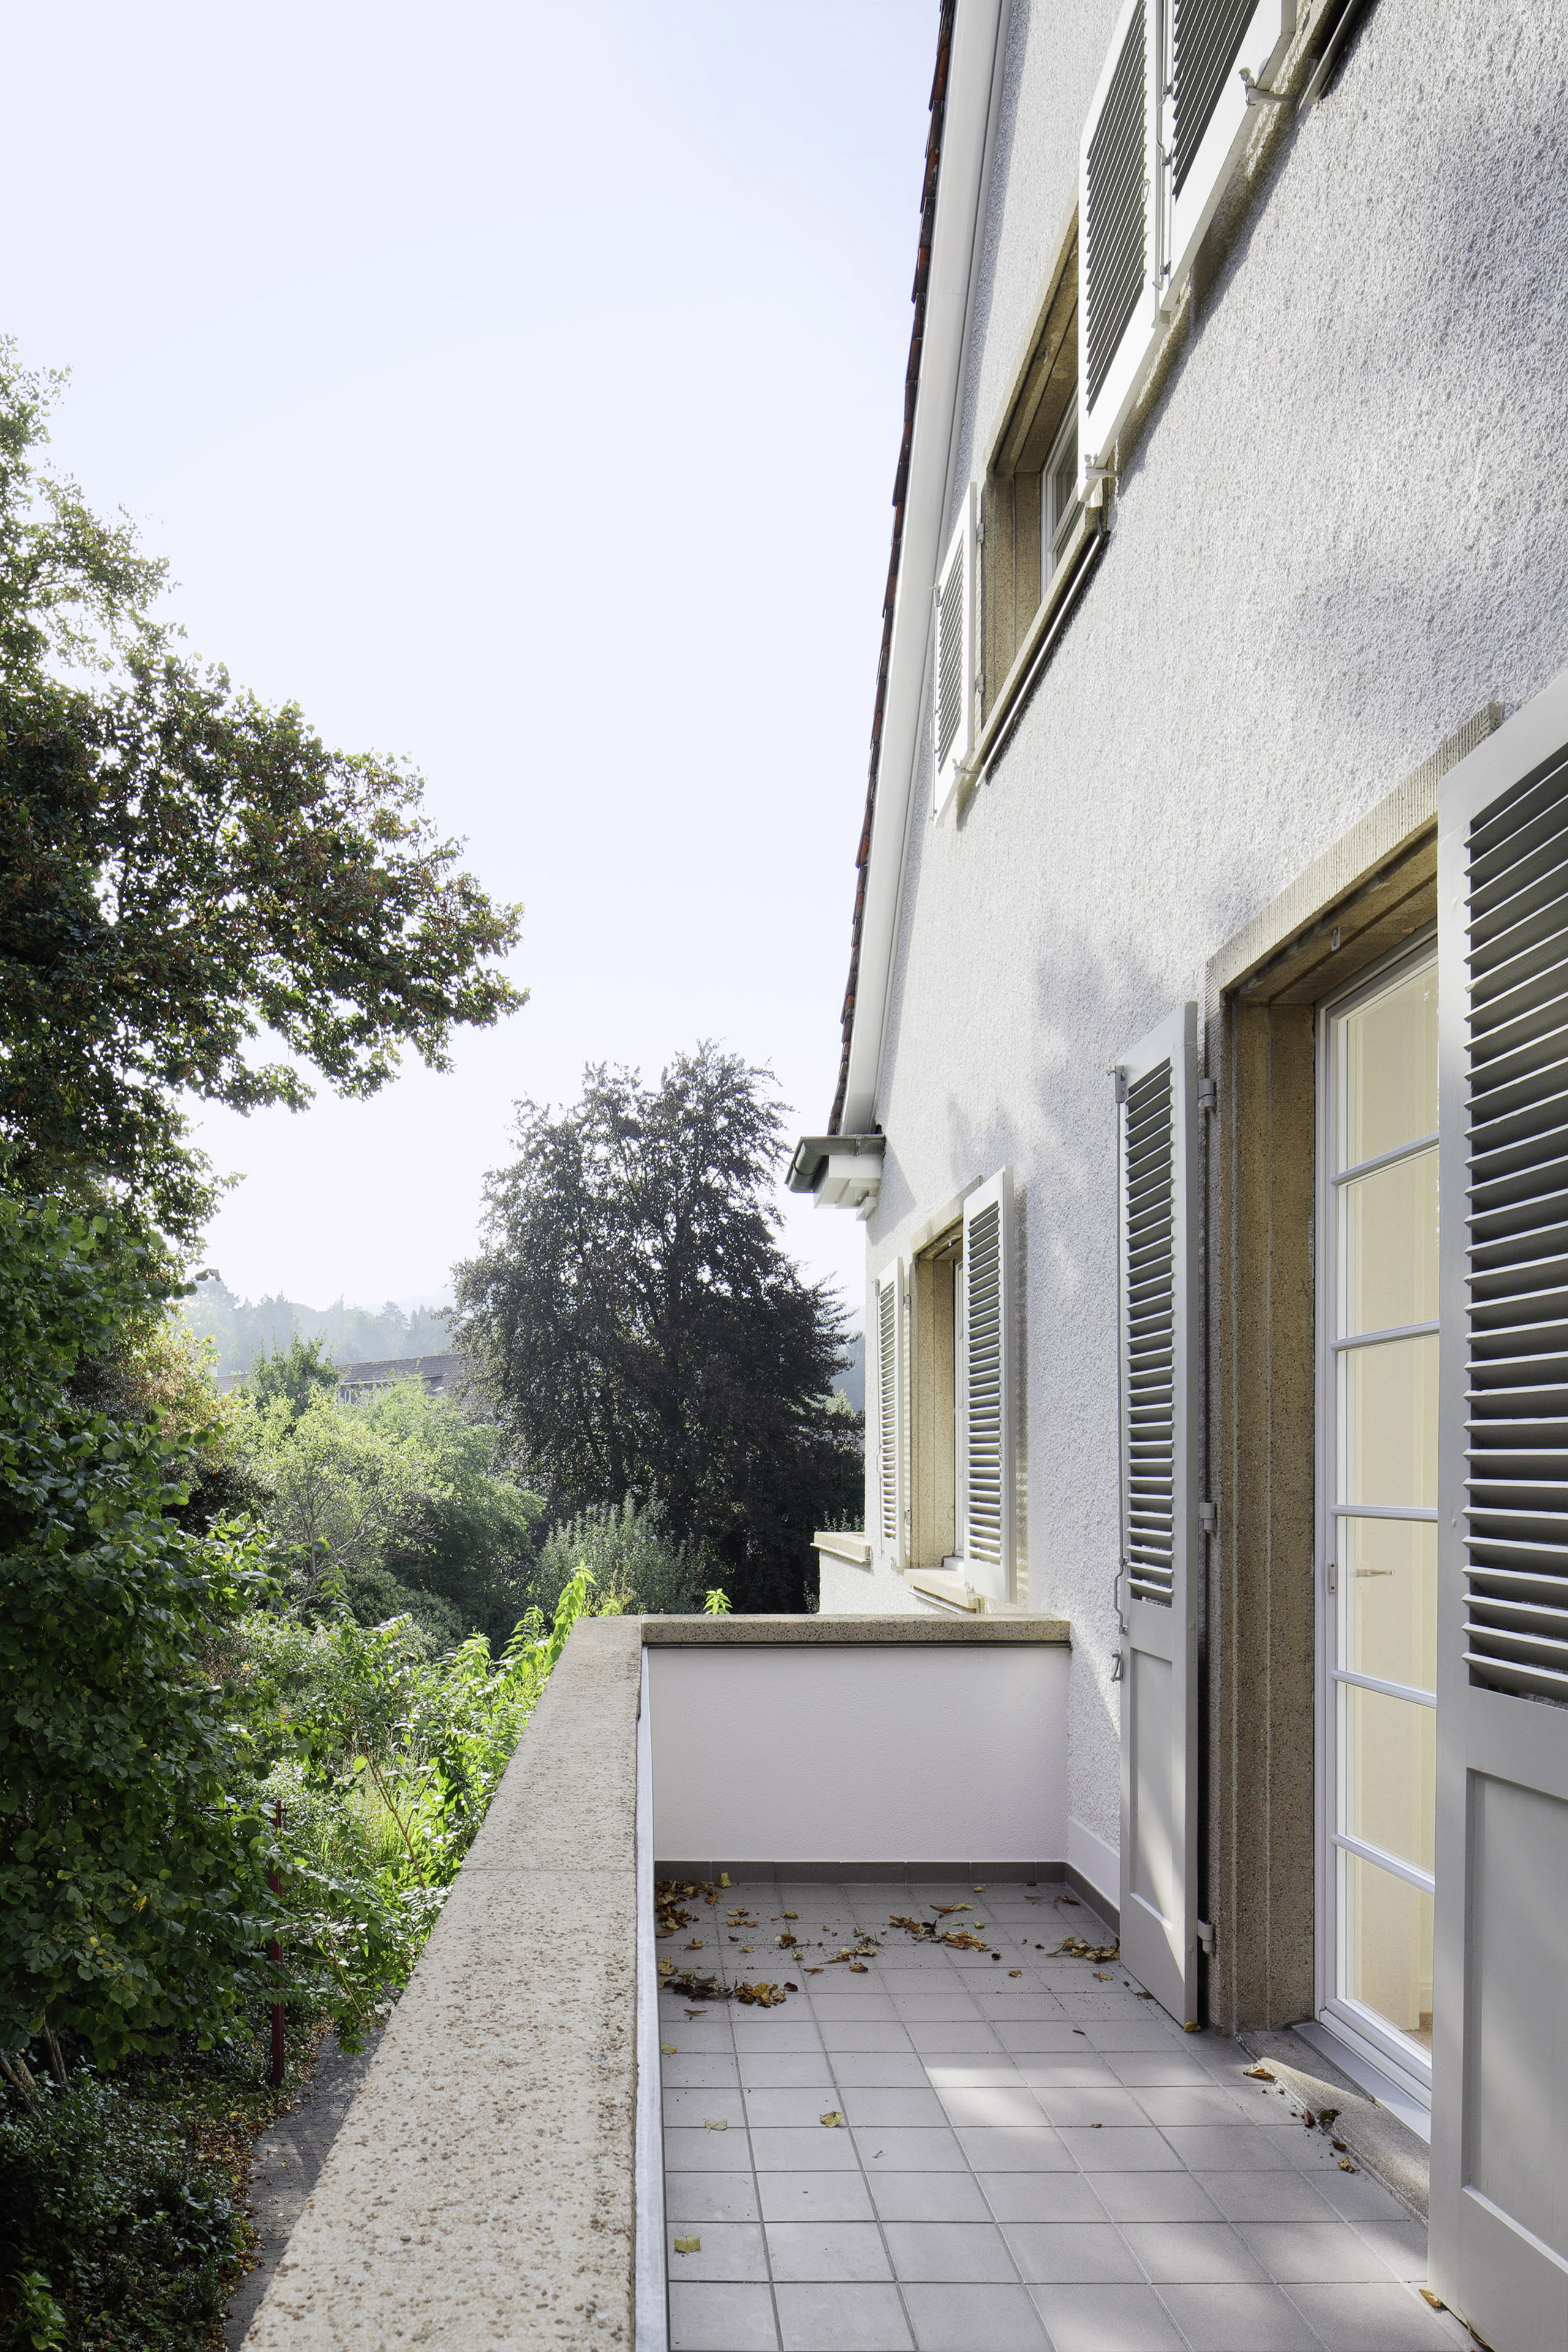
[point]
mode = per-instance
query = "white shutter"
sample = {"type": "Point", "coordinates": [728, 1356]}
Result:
{"type": "Point", "coordinates": [1500, 2059]}
{"type": "Point", "coordinates": [1159, 1586]}
{"type": "Point", "coordinates": [1118, 212]}
{"type": "Point", "coordinates": [1209, 45]}
{"type": "Point", "coordinates": [958, 638]}
{"type": "Point", "coordinates": [890, 1479]}
{"type": "Point", "coordinates": [987, 1388]}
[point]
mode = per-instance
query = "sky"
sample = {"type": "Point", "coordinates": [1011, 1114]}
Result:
{"type": "Point", "coordinates": [518, 389]}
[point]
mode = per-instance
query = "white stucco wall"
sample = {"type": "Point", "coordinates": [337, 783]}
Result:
{"type": "Point", "coordinates": [1343, 531]}
{"type": "Point", "coordinates": [859, 1753]}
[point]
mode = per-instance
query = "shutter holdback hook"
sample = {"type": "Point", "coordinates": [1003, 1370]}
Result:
{"type": "Point", "coordinates": [1256, 93]}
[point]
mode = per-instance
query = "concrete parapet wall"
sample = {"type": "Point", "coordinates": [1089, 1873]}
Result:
{"type": "Point", "coordinates": [480, 2193]}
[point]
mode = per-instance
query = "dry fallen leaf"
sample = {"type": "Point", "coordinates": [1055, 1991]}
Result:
{"type": "Point", "coordinates": [1103, 1975]}
{"type": "Point", "coordinates": [812, 1972]}
{"type": "Point", "coordinates": [1345, 2164]}
{"type": "Point", "coordinates": [723, 1879]}
{"type": "Point", "coordinates": [696, 2012]}
{"type": "Point", "coordinates": [717, 2123]}
{"type": "Point", "coordinates": [833, 2117]}
{"type": "Point", "coordinates": [695, 1946]}
{"type": "Point", "coordinates": [1192, 2026]}
{"type": "Point", "coordinates": [1427, 2296]}
{"type": "Point", "coordinates": [1015, 1972]}
{"type": "Point", "coordinates": [857, 1968]}
{"type": "Point", "coordinates": [790, 1988]}
{"type": "Point", "coordinates": [668, 2048]}
{"type": "Point", "coordinates": [1260, 2073]}
{"type": "Point", "coordinates": [789, 1914]}
{"type": "Point", "coordinates": [688, 2245]}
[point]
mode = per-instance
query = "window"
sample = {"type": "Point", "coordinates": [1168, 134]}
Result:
{"type": "Point", "coordinates": [937, 1306]}
{"type": "Point", "coordinates": [1060, 505]}
{"type": "Point", "coordinates": [1378, 1446]}
{"type": "Point", "coordinates": [1034, 524]}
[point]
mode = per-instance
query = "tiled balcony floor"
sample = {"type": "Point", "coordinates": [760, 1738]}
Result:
{"type": "Point", "coordinates": [1030, 2156]}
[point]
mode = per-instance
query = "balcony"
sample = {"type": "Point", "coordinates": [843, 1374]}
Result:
{"type": "Point", "coordinates": [950, 2133]}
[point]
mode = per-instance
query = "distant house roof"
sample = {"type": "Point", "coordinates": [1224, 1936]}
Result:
{"type": "Point", "coordinates": [438, 1373]}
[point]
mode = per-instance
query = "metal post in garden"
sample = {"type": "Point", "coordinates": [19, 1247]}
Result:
{"type": "Point", "coordinates": [275, 1953]}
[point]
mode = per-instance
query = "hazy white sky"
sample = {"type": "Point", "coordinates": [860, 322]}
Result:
{"type": "Point", "coordinates": [518, 387]}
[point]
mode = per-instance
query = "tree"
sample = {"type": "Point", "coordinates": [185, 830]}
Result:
{"type": "Point", "coordinates": [133, 1893]}
{"type": "Point", "coordinates": [296, 1374]}
{"type": "Point", "coordinates": [642, 1332]}
{"type": "Point", "coordinates": [184, 872]}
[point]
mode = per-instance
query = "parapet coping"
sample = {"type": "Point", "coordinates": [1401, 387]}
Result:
{"type": "Point", "coordinates": [820, 1632]}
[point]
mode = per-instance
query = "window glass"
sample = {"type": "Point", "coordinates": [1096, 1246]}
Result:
{"type": "Point", "coordinates": [1388, 1246]}
{"type": "Point", "coordinates": [1388, 1600]}
{"type": "Point", "coordinates": [1389, 1433]}
{"type": "Point", "coordinates": [1388, 1069]}
{"type": "Point", "coordinates": [1386, 1936]}
{"type": "Point", "coordinates": [1389, 1753]}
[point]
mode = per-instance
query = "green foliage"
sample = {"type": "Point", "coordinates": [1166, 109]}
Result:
{"type": "Point", "coordinates": [397, 1504]}
{"type": "Point", "coordinates": [295, 1376]}
{"type": "Point", "coordinates": [715, 1604]}
{"type": "Point", "coordinates": [182, 870]}
{"type": "Point", "coordinates": [114, 2221]}
{"type": "Point", "coordinates": [134, 1898]}
{"type": "Point", "coordinates": [383, 1761]}
{"type": "Point", "coordinates": [631, 1556]}
{"type": "Point", "coordinates": [643, 1333]}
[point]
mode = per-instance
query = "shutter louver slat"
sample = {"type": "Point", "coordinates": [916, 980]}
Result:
{"type": "Point", "coordinates": [988, 1452]}
{"type": "Point", "coordinates": [1207, 41]}
{"type": "Point", "coordinates": [984, 1464]}
{"type": "Point", "coordinates": [950, 660]}
{"type": "Point", "coordinates": [1116, 222]}
{"type": "Point", "coordinates": [1149, 1402]}
{"type": "Point", "coordinates": [887, 1409]}
{"type": "Point", "coordinates": [1516, 1553]}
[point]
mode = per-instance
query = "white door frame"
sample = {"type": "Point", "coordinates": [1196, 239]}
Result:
{"type": "Point", "coordinates": [1366, 2035]}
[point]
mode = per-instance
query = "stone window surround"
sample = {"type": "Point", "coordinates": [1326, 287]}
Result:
{"type": "Point", "coordinates": [1375, 889]}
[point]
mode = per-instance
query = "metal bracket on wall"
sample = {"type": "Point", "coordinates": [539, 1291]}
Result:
{"type": "Point", "coordinates": [1208, 1518]}
{"type": "Point", "coordinates": [1206, 1936]}
{"type": "Point", "coordinates": [1208, 1094]}
{"type": "Point", "coordinates": [1256, 93]}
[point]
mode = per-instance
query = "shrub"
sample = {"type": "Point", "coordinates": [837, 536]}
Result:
{"type": "Point", "coordinates": [632, 1560]}
{"type": "Point", "coordinates": [110, 2215]}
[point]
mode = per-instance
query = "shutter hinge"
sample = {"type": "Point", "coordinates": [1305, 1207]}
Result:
{"type": "Point", "coordinates": [1116, 1660]}
{"type": "Point", "coordinates": [1206, 1936]}
{"type": "Point", "coordinates": [1208, 1518]}
{"type": "Point", "coordinates": [1208, 1094]}
{"type": "Point", "coordinates": [1119, 1078]}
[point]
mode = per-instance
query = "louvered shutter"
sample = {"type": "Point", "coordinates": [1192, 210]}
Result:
{"type": "Point", "coordinates": [890, 1478]}
{"type": "Point", "coordinates": [1118, 200]}
{"type": "Point", "coordinates": [987, 1388]}
{"type": "Point", "coordinates": [958, 638]}
{"type": "Point", "coordinates": [1209, 45]}
{"type": "Point", "coordinates": [1159, 1578]}
{"type": "Point", "coordinates": [1499, 2061]}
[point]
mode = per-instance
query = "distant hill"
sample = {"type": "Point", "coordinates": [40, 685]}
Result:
{"type": "Point", "coordinates": [851, 1380]}
{"type": "Point", "coordinates": [354, 1335]}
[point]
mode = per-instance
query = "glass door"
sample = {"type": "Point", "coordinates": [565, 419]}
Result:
{"type": "Point", "coordinates": [1379, 1543]}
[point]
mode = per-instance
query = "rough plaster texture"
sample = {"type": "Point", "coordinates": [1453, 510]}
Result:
{"type": "Point", "coordinates": [480, 2192]}
{"type": "Point", "coordinates": [1341, 534]}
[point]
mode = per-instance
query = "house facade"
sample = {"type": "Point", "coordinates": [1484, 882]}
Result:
{"type": "Point", "coordinates": [1211, 926]}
